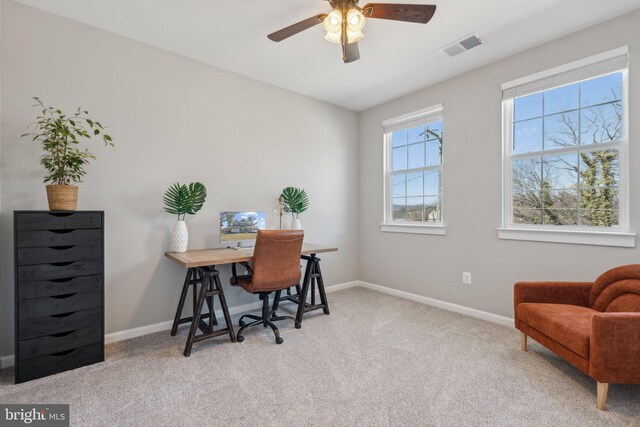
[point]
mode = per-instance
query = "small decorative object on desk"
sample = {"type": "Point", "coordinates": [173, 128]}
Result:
{"type": "Point", "coordinates": [296, 201]}
{"type": "Point", "coordinates": [60, 135]}
{"type": "Point", "coordinates": [281, 208]}
{"type": "Point", "coordinates": [182, 199]}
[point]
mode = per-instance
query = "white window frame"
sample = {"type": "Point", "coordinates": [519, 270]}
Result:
{"type": "Point", "coordinates": [423, 116]}
{"type": "Point", "coordinates": [580, 70]}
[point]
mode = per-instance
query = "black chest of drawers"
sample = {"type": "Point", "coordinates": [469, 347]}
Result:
{"type": "Point", "coordinates": [59, 291]}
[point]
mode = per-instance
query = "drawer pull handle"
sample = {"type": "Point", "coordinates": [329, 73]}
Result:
{"type": "Point", "coordinates": [66, 279]}
{"type": "Point", "coordinates": [62, 214]}
{"type": "Point", "coordinates": [61, 231]}
{"type": "Point", "coordinates": [64, 296]}
{"type": "Point", "coordinates": [61, 248]}
{"type": "Point", "coordinates": [59, 316]}
{"type": "Point", "coordinates": [62, 334]}
{"type": "Point", "coordinates": [63, 353]}
{"type": "Point", "coordinates": [61, 264]}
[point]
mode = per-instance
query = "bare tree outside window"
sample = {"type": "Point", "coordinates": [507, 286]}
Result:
{"type": "Point", "coordinates": [565, 169]}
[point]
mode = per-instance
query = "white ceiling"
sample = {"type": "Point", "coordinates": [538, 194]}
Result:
{"type": "Point", "coordinates": [396, 58]}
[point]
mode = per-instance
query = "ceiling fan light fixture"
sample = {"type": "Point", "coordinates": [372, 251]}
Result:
{"type": "Point", "coordinates": [344, 24]}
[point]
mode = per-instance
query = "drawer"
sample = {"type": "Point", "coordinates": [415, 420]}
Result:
{"type": "Point", "coordinates": [59, 362]}
{"type": "Point", "coordinates": [54, 254]}
{"type": "Point", "coordinates": [61, 341]}
{"type": "Point", "coordinates": [37, 238]}
{"type": "Point", "coordinates": [61, 270]}
{"type": "Point", "coordinates": [58, 220]}
{"type": "Point", "coordinates": [47, 288]}
{"type": "Point", "coordinates": [48, 325]}
{"type": "Point", "coordinates": [37, 307]}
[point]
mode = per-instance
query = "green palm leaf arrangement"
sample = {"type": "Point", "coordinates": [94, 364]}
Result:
{"type": "Point", "coordinates": [296, 200]}
{"type": "Point", "coordinates": [182, 199]}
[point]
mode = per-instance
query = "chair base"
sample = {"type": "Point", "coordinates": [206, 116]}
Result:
{"type": "Point", "coordinates": [268, 317]}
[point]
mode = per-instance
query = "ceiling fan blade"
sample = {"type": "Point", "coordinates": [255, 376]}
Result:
{"type": "Point", "coordinates": [294, 29]}
{"type": "Point", "coordinates": [350, 51]}
{"type": "Point", "coordinates": [417, 13]}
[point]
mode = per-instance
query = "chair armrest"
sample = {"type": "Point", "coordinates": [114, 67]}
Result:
{"type": "Point", "coordinates": [574, 293]}
{"type": "Point", "coordinates": [614, 348]}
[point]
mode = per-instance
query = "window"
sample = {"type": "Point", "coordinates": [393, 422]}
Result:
{"type": "Point", "coordinates": [413, 172]}
{"type": "Point", "coordinates": [565, 145]}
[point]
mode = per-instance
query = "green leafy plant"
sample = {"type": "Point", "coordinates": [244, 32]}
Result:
{"type": "Point", "coordinates": [60, 136]}
{"type": "Point", "coordinates": [182, 199]}
{"type": "Point", "coordinates": [296, 200]}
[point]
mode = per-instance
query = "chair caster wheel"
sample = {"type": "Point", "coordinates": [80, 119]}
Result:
{"type": "Point", "coordinates": [240, 338]}
{"type": "Point", "coordinates": [298, 326]}
{"type": "Point", "coordinates": [279, 340]}
{"type": "Point", "coordinates": [241, 323]}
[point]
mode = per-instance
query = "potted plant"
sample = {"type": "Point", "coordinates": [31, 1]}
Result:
{"type": "Point", "coordinates": [182, 199]}
{"type": "Point", "coordinates": [60, 135]}
{"type": "Point", "coordinates": [296, 201]}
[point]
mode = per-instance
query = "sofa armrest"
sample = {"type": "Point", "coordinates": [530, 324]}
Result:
{"type": "Point", "coordinates": [614, 348]}
{"type": "Point", "coordinates": [574, 293]}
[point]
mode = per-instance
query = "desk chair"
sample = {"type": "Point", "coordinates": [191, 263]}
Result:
{"type": "Point", "coordinates": [276, 266]}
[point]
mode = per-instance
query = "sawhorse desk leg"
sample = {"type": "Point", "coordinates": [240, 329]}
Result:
{"type": "Point", "coordinates": [210, 285]}
{"type": "Point", "coordinates": [312, 276]}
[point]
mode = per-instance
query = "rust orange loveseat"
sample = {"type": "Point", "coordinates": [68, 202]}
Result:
{"type": "Point", "coordinates": [595, 326]}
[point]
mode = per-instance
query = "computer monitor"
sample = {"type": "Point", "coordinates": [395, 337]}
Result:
{"type": "Point", "coordinates": [241, 227]}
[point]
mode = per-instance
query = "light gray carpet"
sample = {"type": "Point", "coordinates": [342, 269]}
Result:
{"type": "Point", "coordinates": [376, 360]}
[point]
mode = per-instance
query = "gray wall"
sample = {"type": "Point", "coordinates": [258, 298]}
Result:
{"type": "Point", "coordinates": [173, 119]}
{"type": "Point", "coordinates": [432, 265]}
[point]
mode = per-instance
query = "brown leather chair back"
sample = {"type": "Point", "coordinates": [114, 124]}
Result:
{"type": "Point", "coordinates": [276, 260]}
{"type": "Point", "coordinates": [617, 290]}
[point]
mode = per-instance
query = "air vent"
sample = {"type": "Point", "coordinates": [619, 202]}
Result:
{"type": "Point", "coordinates": [462, 45]}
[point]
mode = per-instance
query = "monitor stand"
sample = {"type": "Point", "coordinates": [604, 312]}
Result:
{"type": "Point", "coordinates": [239, 247]}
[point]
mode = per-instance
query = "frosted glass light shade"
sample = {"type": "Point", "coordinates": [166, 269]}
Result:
{"type": "Point", "coordinates": [355, 20]}
{"type": "Point", "coordinates": [335, 37]}
{"type": "Point", "coordinates": [354, 36]}
{"type": "Point", "coordinates": [333, 22]}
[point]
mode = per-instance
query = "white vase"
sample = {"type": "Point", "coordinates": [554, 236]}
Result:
{"type": "Point", "coordinates": [295, 224]}
{"type": "Point", "coordinates": [179, 237]}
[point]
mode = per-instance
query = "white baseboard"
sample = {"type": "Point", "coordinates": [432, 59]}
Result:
{"type": "Point", "coordinates": [341, 286]}
{"type": "Point", "coordinates": [467, 311]}
{"type": "Point", "coordinates": [6, 361]}
{"type": "Point", "coordinates": [165, 326]}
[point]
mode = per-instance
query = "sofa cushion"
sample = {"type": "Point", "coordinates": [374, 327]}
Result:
{"type": "Point", "coordinates": [568, 325]}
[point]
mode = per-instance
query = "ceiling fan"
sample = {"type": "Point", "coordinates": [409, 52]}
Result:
{"type": "Point", "coordinates": [345, 22]}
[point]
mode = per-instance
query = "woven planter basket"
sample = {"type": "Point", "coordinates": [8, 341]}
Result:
{"type": "Point", "coordinates": [62, 197]}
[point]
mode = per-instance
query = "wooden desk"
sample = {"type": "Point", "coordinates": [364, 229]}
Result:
{"type": "Point", "coordinates": [200, 265]}
{"type": "Point", "coordinates": [207, 257]}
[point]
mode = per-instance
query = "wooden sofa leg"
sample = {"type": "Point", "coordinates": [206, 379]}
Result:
{"type": "Point", "coordinates": [523, 341]}
{"type": "Point", "coordinates": [601, 399]}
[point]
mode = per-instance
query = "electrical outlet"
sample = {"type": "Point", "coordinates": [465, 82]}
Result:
{"type": "Point", "coordinates": [466, 278]}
